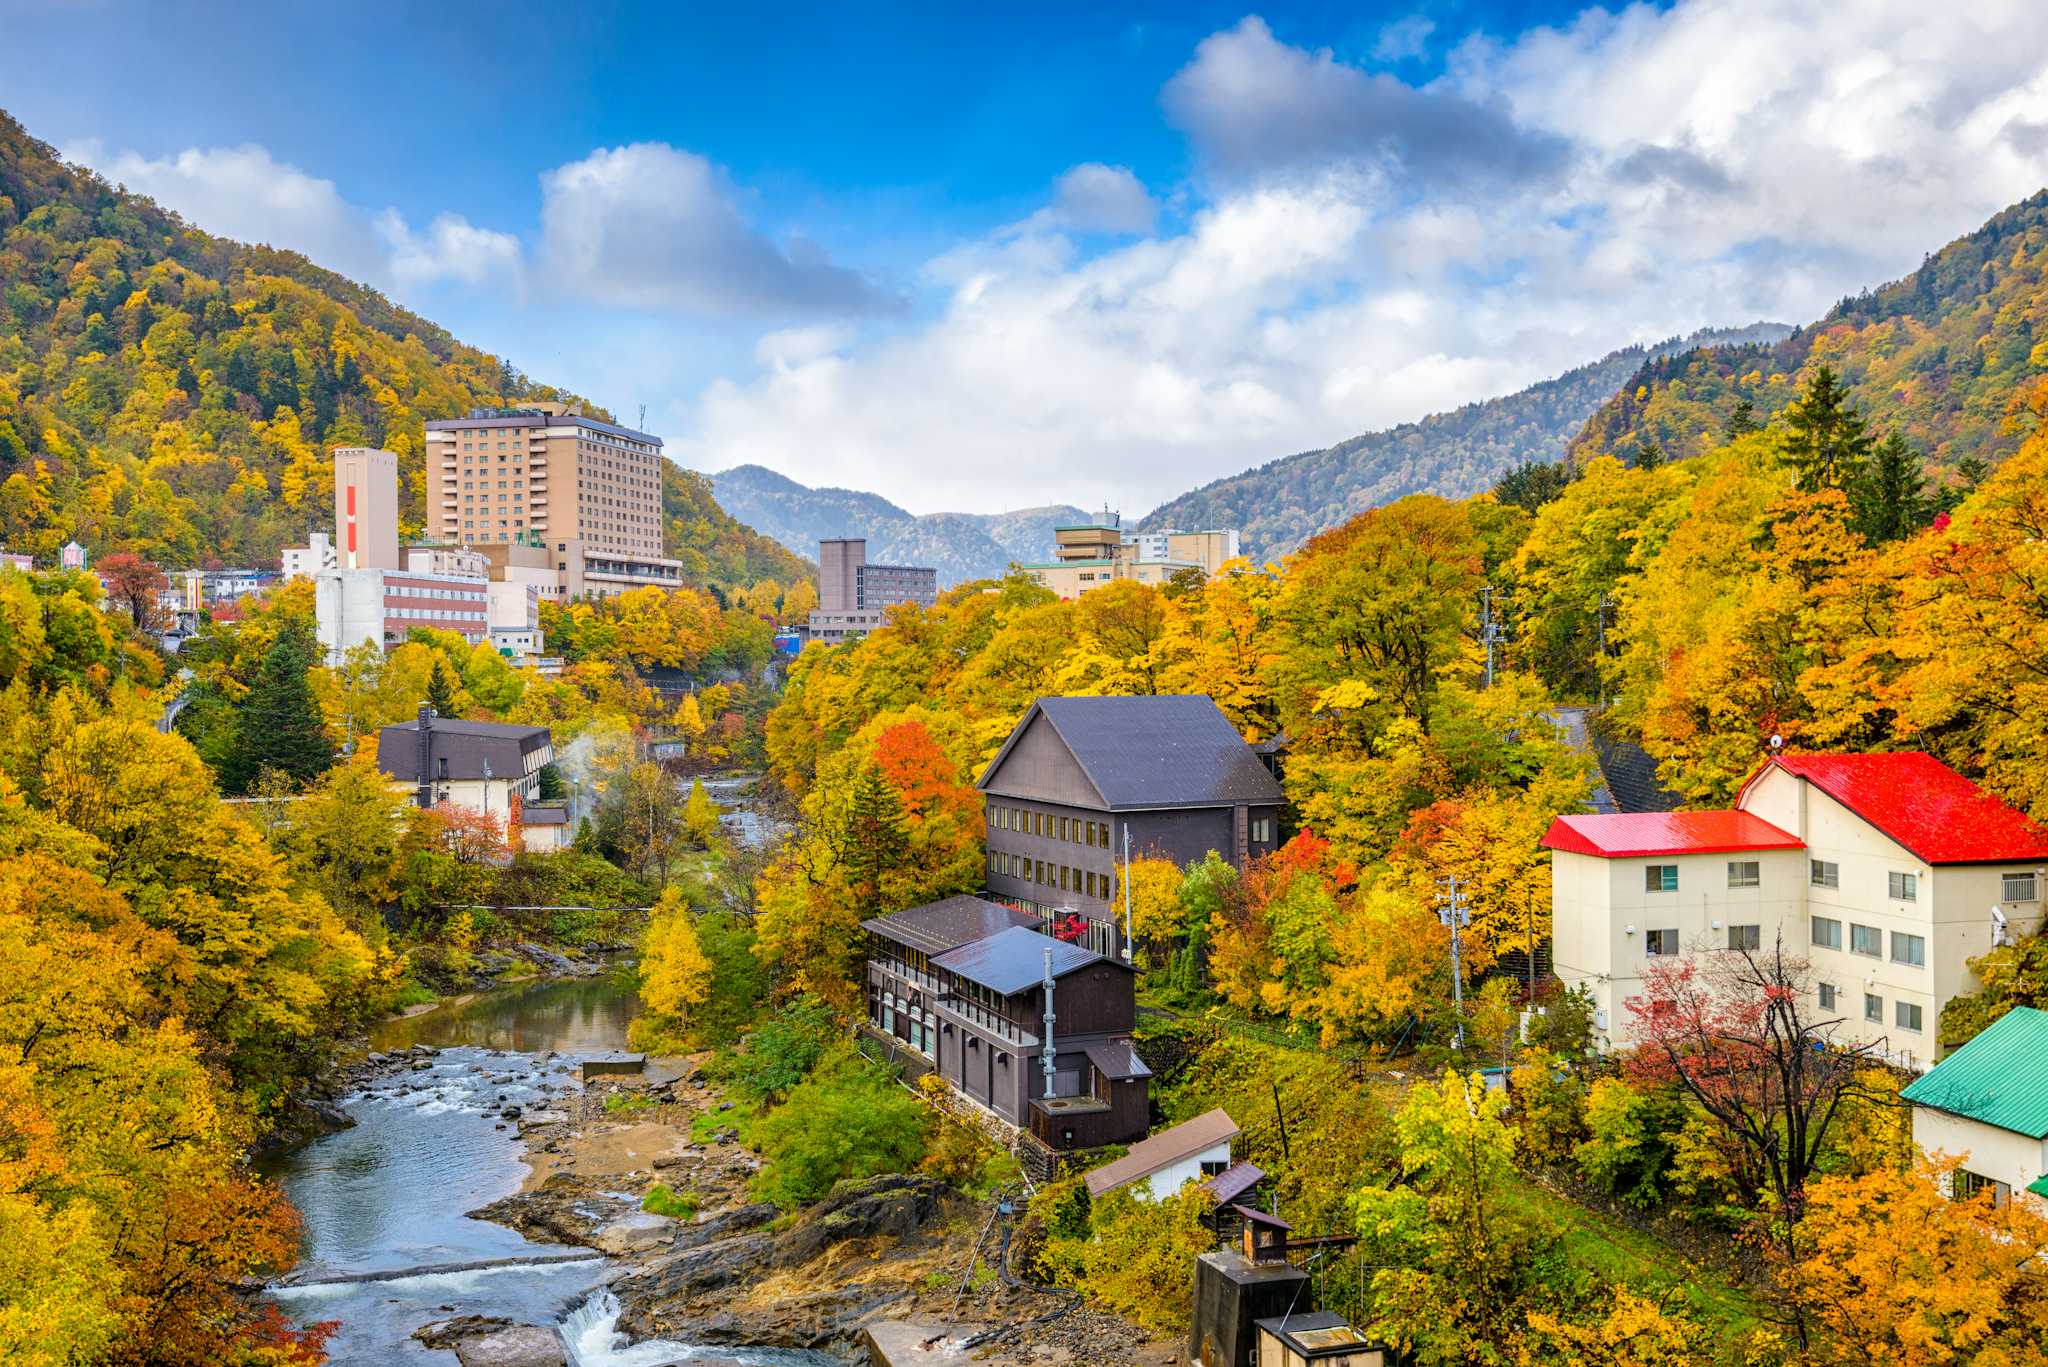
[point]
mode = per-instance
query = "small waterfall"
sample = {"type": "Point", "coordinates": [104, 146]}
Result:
{"type": "Point", "coordinates": [591, 1331]}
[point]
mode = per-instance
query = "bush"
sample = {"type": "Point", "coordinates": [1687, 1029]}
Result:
{"type": "Point", "coordinates": [779, 1053]}
{"type": "Point", "coordinates": [1631, 1140]}
{"type": "Point", "coordinates": [661, 1199]}
{"type": "Point", "coordinates": [1550, 1104]}
{"type": "Point", "coordinates": [847, 1119]}
{"type": "Point", "coordinates": [1135, 1257]}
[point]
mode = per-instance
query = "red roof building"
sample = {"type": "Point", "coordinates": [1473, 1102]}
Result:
{"type": "Point", "coordinates": [1627, 834]}
{"type": "Point", "coordinates": [1920, 802]}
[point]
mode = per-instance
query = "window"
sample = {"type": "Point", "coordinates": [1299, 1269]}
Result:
{"type": "Point", "coordinates": [1262, 829]}
{"type": "Point", "coordinates": [1091, 831]}
{"type": "Point", "coordinates": [1906, 1015]}
{"type": "Point", "coordinates": [1744, 873]}
{"type": "Point", "coordinates": [1824, 873]}
{"type": "Point", "coordinates": [1827, 996]}
{"type": "Point", "coordinates": [1873, 1008]}
{"type": "Point", "coordinates": [1909, 949]}
{"type": "Point", "coordinates": [1746, 937]}
{"type": "Point", "coordinates": [1088, 881]}
{"type": "Point", "coordinates": [1063, 878]}
{"type": "Point", "coordinates": [2017, 887]}
{"type": "Point", "coordinates": [1657, 943]}
{"type": "Point", "coordinates": [1905, 887]}
{"type": "Point", "coordinates": [1865, 940]}
{"type": "Point", "coordinates": [1965, 1185]}
{"type": "Point", "coordinates": [1660, 878]}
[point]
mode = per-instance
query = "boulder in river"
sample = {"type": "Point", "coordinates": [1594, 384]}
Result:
{"type": "Point", "coordinates": [487, 1341]}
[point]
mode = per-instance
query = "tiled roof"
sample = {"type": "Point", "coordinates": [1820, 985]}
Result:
{"type": "Point", "coordinates": [1177, 751]}
{"type": "Point", "coordinates": [1625, 834]}
{"type": "Point", "coordinates": [1999, 1078]}
{"type": "Point", "coordinates": [938, 926]}
{"type": "Point", "coordinates": [1164, 1149]}
{"type": "Point", "coordinates": [1011, 961]}
{"type": "Point", "coordinates": [1922, 803]}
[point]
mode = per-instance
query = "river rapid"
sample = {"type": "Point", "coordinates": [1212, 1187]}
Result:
{"type": "Point", "coordinates": [430, 1143]}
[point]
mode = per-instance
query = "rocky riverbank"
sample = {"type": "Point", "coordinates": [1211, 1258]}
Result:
{"type": "Point", "coordinates": [739, 1273]}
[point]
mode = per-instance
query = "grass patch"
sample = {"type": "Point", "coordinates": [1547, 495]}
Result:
{"type": "Point", "coordinates": [627, 1103]}
{"type": "Point", "coordinates": [1621, 1253]}
{"type": "Point", "coordinates": [412, 992]}
{"type": "Point", "coordinates": [662, 1199]}
{"type": "Point", "coordinates": [705, 1125]}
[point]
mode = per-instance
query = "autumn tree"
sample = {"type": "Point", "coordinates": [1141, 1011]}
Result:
{"type": "Point", "coordinates": [674, 973]}
{"type": "Point", "coordinates": [700, 816]}
{"type": "Point", "coordinates": [133, 584]}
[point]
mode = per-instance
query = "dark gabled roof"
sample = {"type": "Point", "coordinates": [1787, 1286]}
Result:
{"type": "Point", "coordinates": [939, 926]}
{"type": "Point", "coordinates": [1012, 961]}
{"type": "Point", "coordinates": [1177, 751]}
{"type": "Point", "coordinates": [1234, 1181]}
{"type": "Point", "coordinates": [466, 745]}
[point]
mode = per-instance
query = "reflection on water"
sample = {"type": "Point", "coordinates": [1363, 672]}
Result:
{"type": "Point", "coordinates": [576, 1016]}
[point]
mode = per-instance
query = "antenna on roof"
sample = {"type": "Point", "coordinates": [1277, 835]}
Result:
{"type": "Point", "coordinates": [643, 418]}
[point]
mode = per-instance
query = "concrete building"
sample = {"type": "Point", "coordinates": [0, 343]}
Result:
{"type": "Point", "coordinates": [586, 492]}
{"type": "Point", "coordinates": [1159, 1166]}
{"type": "Point", "coordinates": [1078, 775]}
{"type": "Point", "coordinates": [1886, 873]}
{"type": "Point", "coordinates": [973, 992]}
{"type": "Point", "coordinates": [1087, 555]}
{"type": "Point", "coordinates": [366, 508]}
{"type": "Point", "coordinates": [380, 606]}
{"type": "Point", "coordinates": [854, 596]}
{"type": "Point", "coordinates": [1987, 1105]}
{"type": "Point", "coordinates": [303, 562]}
{"type": "Point", "coordinates": [72, 556]}
{"type": "Point", "coordinates": [15, 560]}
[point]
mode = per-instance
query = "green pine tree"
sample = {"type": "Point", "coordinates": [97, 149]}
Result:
{"type": "Point", "coordinates": [1826, 440]}
{"type": "Point", "coordinates": [441, 688]}
{"type": "Point", "coordinates": [279, 724]}
{"type": "Point", "coordinates": [1891, 497]}
{"type": "Point", "coordinates": [872, 838]}
{"type": "Point", "coordinates": [1648, 455]}
{"type": "Point", "coordinates": [1741, 422]}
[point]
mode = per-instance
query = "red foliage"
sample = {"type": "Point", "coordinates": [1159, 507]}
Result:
{"type": "Point", "coordinates": [1070, 928]}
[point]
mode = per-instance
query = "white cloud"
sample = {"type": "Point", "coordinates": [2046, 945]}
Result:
{"type": "Point", "coordinates": [246, 194]}
{"type": "Point", "coordinates": [1404, 39]}
{"type": "Point", "coordinates": [1367, 251]}
{"type": "Point", "coordinates": [1097, 198]}
{"type": "Point", "coordinates": [651, 226]}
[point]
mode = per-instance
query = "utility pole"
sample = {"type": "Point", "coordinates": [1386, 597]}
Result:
{"type": "Point", "coordinates": [1456, 913]}
{"type": "Point", "coordinates": [1600, 663]}
{"type": "Point", "coordinates": [1489, 630]}
{"type": "Point", "coordinates": [1127, 892]}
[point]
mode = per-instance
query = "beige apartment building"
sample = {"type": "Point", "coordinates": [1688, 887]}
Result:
{"type": "Point", "coordinates": [1088, 555]}
{"type": "Point", "coordinates": [1885, 873]}
{"type": "Point", "coordinates": [586, 492]}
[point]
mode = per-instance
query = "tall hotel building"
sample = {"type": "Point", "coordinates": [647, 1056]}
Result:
{"type": "Point", "coordinates": [579, 497]}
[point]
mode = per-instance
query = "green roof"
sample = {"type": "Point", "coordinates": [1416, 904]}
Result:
{"type": "Point", "coordinates": [2039, 1186]}
{"type": "Point", "coordinates": [1999, 1078]}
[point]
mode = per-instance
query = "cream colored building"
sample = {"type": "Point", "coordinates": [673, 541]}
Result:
{"type": "Point", "coordinates": [586, 492]}
{"type": "Point", "coordinates": [1088, 555]}
{"type": "Point", "coordinates": [1986, 1105]}
{"type": "Point", "coordinates": [365, 508]}
{"type": "Point", "coordinates": [1885, 873]}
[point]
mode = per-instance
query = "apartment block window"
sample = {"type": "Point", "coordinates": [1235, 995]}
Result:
{"type": "Point", "coordinates": [1827, 996]}
{"type": "Point", "coordinates": [2017, 887]}
{"type": "Point", "coordinates": [1865, 940]}
{"type": "Point", "coordinates": [1091, 831]}
{"type": "Point", "coordinates": [1824, 873]}
{"type": "Point", "coordinates": [1658, 943]}
{"type": "Point", "coordinates": [1965, 1185]}
{"type": "Point", "coordinates": [1909, 949]}
{"type": "Point", "coordinates": [1873, 1008]}
{"type": "Point", "coordinates": [1660, 878]}
{"type": "Point", "coordinates": [1907, 1016]}
{"type": "Point", "coordinates": [1905, 887]}
{"type": "Point", "coordinates": [1745, 937]}
{"type": "Point", "coordinates": [1744, 873]}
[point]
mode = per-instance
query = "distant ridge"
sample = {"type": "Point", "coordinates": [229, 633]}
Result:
{"type": "Point", "coordinates": [961, 546]}
{"type": "Point", "coordinates": [1282, 503]}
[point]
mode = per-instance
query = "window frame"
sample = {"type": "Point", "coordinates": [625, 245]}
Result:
{"type": "Point", "coordinates": [1918, 943]}
{"type": "Point", "coordinates": [1873, 1008]}
{"type": "Point", "coordinates": [1902, 887]}
{"type": "Point", "coordinates": [1902, 1011]}
{"type": "Point", "coordinates": [1823, 873]}
{"type": "Point", "coordinates": [1755, 937]}
{"type": "Point", "coordinates": [1665, 876]}
{"type": "Point", "coordinates": [1753, 879]}
{"type": "Point", "coordinates": [2005, 881]}
{"type": "Point", "coordinates": [1876, 951]}
{"type": "Point", "coordinates": [1658, 935]}
{"type": "Point", "coordinates": [1813, 925]}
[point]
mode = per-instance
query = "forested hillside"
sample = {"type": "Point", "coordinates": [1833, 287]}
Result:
{"type": "Point", "coordinates": [1949, 356]}
{"type": "Point", "coordinates": [961, 546]}
{"type": "Point", "coordinates": [171, 393]}
{"type": "Point", "coordinates": [1282, 503]}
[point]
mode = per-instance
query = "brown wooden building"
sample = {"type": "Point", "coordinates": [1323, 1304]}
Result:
{"type": "Point", "coordinates": [1078, 773]}
{"type": "Point", "coordinates": [961, 983]}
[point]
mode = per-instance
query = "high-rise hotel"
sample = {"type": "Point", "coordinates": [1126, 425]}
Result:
{"type": "Point", "coordinates": [570, 501]}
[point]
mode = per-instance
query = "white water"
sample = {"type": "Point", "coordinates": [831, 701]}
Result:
{"type": "Point", "coordinates": [591, 1332]}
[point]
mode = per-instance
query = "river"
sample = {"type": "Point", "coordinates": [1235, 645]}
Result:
{"type": "Point", "coordinates": [427, 1146]}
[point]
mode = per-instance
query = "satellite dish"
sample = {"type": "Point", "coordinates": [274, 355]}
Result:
{"type": "Point", "coordinates": [1777, 742]}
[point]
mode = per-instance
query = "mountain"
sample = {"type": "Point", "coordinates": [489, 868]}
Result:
{"type": "Point", "coordinates": [1950, 356]}
{"type": "Point", "coordinates": [1284, 502]}
{"type": "Point", "coordinates": [172, 393]}
{"type": "Point", "coordinates": [961, 546]}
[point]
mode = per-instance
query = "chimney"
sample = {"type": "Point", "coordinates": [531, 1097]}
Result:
{"type": "Point", "coordinates": [425, 796]}
{"type": "Point", "coordinates": [1048, 1054]}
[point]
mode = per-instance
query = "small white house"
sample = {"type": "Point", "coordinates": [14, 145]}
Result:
{"type": "Point", "coordinates": [1987, 1104]}
{"type": "Point", "coordinates": [1193, 1151]}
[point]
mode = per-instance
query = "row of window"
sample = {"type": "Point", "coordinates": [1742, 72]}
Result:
{"type": "Point", "coordinates": [1052, 827]}
{"type": "Point", "coordinates": [1658, 943]}
{"type": "Point", "coordinates": [401, 590]}
{"type": "Point", "coordinates": [436, 615]}
{"type": "Point", "coordinates": [1827, 873]}
{"type": "Point", "coordinates": [1061, 876]}
{"type": "Point", "coordinates": [1868, 941]}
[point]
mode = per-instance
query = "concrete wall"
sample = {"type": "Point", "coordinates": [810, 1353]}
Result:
{"type": "Point", "coordinates": [1170, 1179]}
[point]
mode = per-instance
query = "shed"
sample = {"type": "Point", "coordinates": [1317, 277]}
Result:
{"type": "Point", "coordinates": [1188, 1152]}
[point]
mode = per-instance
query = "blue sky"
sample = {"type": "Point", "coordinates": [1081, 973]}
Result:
{"type": "Point", "coordinates": [982, 260]}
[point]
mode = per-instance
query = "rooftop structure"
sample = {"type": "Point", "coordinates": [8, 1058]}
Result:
{"type": "Point", "coordinates": [1191, 1151]}
{"type": "Point", "coordinates": [854, 595]}
{"type": "Point", "coordinates": [1987, 1104]}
